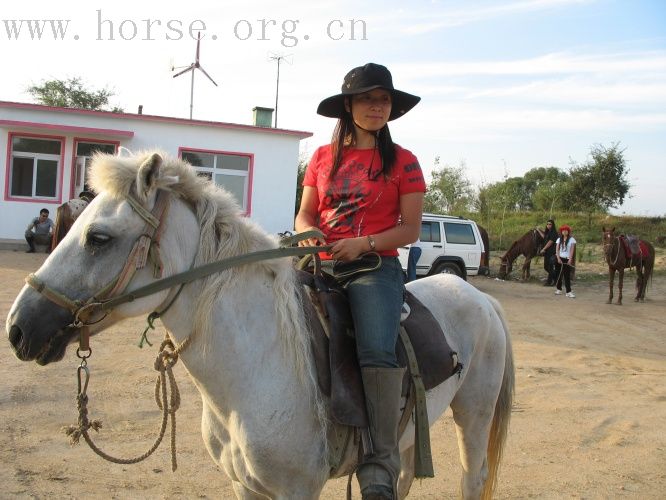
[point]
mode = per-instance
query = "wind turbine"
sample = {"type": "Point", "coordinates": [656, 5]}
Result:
{"type": "Point", "coordinates": [195, 65]}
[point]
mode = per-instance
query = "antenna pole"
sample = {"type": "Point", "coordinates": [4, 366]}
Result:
{"type": "Point", "coordinates": [277, 90]}
{"type": "Point", "coordinates": [278, 58]}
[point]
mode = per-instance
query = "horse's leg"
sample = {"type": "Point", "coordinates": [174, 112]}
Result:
{"type": "Point", "coordinates": [611, 279]}
{"type": "Point", "coordinates": [406, 472]}
{"type": "Point", "coordinates": [473, 408]}
{"type": "Point", "coordinates": [526, 269]}
{"type": "Point", "coordinates": [242, 493]}
{"type": "Point", "coordinates": [639, 281]}
{"type": "Point", "coordinates": [620, 282]}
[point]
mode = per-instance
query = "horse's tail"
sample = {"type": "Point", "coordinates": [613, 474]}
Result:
{"type": "Point", "coordinates": [500, 425]}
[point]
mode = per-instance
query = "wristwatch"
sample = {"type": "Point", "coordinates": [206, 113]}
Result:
{"type": "Point", "coordinates": [371, 241]}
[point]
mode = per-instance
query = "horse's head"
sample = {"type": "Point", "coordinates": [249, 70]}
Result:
{"type": "Point", "coordinates": [608, 239]}
{"type": "Point", "coordinates": [106, 252]}
{"type": "Point", "coordinates": [506, 266]}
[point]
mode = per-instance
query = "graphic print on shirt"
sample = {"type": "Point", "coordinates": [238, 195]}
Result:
{"type": "Point", "coordinates": [347, 194]}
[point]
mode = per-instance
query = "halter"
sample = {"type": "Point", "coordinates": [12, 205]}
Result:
{"type": "Point", "coordinates": [146, 246]}
{"type": "Point", "coordinates": [610, 245]}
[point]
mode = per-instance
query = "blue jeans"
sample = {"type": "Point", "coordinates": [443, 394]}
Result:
{"type": "Point", "coordinates": [412, 260]}
{"type": "Point", "coordinates": [376, 299]}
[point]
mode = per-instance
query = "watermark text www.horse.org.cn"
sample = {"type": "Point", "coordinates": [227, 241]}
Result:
{"type": "Point", "coordinates": [288, 32]}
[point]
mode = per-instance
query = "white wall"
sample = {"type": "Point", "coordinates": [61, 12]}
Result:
{"type": "Point", "coordinates": [274, 167]}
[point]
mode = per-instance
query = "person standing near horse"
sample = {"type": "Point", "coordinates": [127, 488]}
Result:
{"type": "Point", "coordinates": [365, 193]}
{"type": "Point", "coordinates": [565, 252]}
{"type": "Point", "coordinates": [39, 231]}
{"type": "Point", "coordinates": [548, 252]}
{"type": "Point", "coordinates": [413, 259]}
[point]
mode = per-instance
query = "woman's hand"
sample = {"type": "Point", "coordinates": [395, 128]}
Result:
{"type": "Point", "coordinates": [349, 248]}
{"type": "Point", "coordinates": [311, 242]}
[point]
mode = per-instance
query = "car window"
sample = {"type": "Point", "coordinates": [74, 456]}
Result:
{"type": "Point", "coordinates": [459, 233]}
{"type": "Point", "coordinates": [430, 231]}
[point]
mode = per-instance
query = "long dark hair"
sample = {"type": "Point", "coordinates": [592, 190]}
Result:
{"type": "Point", "coordinates": [345, 132]}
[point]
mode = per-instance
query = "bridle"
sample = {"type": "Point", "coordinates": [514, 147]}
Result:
{"type": "Point", "coordinates": [146, 246]}
{"type": "Point", "coordinates": [93, 310]}
{"type": "Point", "coordinates": [608, 249]}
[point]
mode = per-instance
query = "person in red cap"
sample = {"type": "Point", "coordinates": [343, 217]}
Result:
{"type": "Point", "coordinates": [365, 194]}
{"type": "Point", "coordinates": [565, 252]}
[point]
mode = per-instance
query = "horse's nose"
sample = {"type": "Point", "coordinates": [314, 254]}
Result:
{"type": "Point", "coordinates": [16, 340]}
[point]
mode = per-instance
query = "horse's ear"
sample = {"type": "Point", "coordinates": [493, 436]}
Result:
{"type": "Point", "coordinates": [146, 178]}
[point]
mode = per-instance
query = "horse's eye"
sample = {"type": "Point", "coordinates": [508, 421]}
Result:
{"type": "Point", "coordinates": [97, 240]}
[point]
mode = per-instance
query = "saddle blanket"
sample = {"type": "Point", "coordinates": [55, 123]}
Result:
{"type": "Point", "coordinates": [642, 249]}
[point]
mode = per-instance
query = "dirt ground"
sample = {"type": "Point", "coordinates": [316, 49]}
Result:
{"type": "Point", "coordinates": [588, 420]}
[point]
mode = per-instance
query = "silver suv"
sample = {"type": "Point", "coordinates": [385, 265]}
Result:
{"type": "Point", "coordinates": [449, 245]}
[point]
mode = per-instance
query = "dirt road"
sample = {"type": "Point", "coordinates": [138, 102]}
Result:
{"type": "Point", "coordinates": [588, 419]}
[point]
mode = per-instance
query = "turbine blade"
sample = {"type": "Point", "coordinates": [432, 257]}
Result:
{"type": "Point", "coordinates": [204, 72]}
{"type": "Point", "coordinates": [198, 45]}
{"type": "Point", "coordinates": [189, 68]}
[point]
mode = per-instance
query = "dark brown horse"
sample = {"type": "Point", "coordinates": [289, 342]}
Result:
{"type": "Point", "coordinates": [620, 256]}
{"type": "Point", "coordinates": [528, 245]}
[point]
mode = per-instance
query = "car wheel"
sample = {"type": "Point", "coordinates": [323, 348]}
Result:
{"type": "Point", "coordinates": [448, 268]}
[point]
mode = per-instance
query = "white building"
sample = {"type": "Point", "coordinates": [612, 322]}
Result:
{"type": "Point", "coordinates": [47, 149]}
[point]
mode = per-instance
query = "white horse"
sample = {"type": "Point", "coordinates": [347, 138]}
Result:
{"type": "Point", "coordinates": [264, 419]}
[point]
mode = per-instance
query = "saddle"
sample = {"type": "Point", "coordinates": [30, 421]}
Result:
{"type": "Point", "coordinates": [338, 372]}
{"type": "Point", "coordinates": [633, 247]}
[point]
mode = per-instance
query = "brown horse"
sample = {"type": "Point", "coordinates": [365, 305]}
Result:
{"type": "Point", "coordinates": [66, 214]}
{"type": "Point", "coordinates": [619, 256]}
{"type": "Point", "coordinates": [528, 245]}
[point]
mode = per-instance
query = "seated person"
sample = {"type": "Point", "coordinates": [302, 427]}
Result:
{"type": "Point", "coordinates": [39, 231]}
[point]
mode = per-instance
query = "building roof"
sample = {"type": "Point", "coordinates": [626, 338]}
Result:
{"type": "Point", "coordinates": [154, 118]}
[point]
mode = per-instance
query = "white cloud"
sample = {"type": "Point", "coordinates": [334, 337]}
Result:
{"type": "Point", "coordinates": [625, 64]}
{"type": "Point", "coordinates": [459, 17]}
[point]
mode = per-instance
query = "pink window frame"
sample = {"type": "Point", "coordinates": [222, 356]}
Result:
{"type": "Point", "coordinates": [63, 143]}
{"type": "Point", "coordinates": [250, 172]}
{"type": "Point", "coordinates": [75, 141]}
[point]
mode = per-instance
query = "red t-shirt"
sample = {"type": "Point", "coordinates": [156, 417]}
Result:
{"type": "Point", "coordinates": [359, 201]}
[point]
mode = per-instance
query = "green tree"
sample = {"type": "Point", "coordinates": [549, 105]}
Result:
{"type": "Point", "coordinates": [302, 165]}
{"type": "Point", "coordinates": [600, 183]}
{"type": "Point", "coordinates": [449, 192]}
{"type": "Point", "coordinates": [547, 187]}
{"type": "Point", "coordinates": [71, 93]}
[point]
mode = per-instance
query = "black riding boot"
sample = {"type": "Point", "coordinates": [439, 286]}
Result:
{"type": "Point", "coordinates": [378, 474]}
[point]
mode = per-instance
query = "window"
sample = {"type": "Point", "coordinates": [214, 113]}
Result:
{"type": "Point", "coordinates": [228, 170]}
{"type": "Point", "coordinates": [430, 232]}
{"type": "Point", "coordinates": [459, 233]}
{"type": "Point", "coordinates": [83, 153]}
{"type": "Point", "coordinates": [34, 166]}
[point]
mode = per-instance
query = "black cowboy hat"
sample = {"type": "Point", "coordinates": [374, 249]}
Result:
{"type": "Point", "coordinates": [363, 79]}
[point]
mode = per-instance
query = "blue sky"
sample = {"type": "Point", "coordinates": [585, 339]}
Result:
{"type": "Point", "coordinates": [506, 85]}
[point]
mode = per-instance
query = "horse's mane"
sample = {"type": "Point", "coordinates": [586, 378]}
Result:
{"type": "Point", "coordinates": [224, 233]}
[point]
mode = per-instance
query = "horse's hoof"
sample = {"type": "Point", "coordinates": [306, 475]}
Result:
{"type": "Point", "coordinates": [609, 302]}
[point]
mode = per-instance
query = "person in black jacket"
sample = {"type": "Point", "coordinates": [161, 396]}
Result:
{"type": "Point", "coordinates": [548, 252]}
